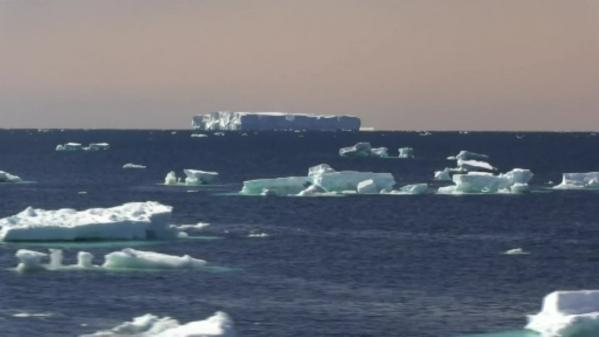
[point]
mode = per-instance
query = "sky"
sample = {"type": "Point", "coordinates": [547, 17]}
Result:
{"type": "Point", "coordinates": [402, 65]}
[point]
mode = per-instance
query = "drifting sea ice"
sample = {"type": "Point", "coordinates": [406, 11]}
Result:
{"type": "Point", "coordinates": [577, 181]}
{"type": "Point", "coordinates": [467, 155]}
{"type": "Point", "coordinates": [130, 221]}
{"type": "Point", "coordinates": [148, 325]}
{"type": "Point", "coordinates": [514, 181]}
{"type": "Point", "coordinates": [134, 166]}
{"type": "Point", "coordinates": [405, 152]}
{"type": "Point", "coordinates": [71, 146]}
{"type": "Point", "coordinates": [6, 177]}
{"type": "Point", "coordinates": [363, 149]}
{"type": "Point", "coordinates": [192, 178]}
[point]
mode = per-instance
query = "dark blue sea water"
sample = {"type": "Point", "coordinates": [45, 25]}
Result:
{"type": "Point", "coordinates": [414, 266]}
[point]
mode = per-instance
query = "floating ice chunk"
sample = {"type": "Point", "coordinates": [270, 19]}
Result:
{"type": "Point", "coordinates": [514, 181]}
{"type": "Point", "coordinates": [130, 258]}
{"type": "Point", "coordinates": [198, 177]}
{"type": "Point", "coordinates": [467, 155]}
{"type": "Point", "coordinates": [587, 180]}
{"type": "Point", "coordinates": [363, 149]}
{"type": "Point", "coordinates": [6, 177]}
{"type": "Point", "coordinates": [472, 165]}
{"type": "Point", "coordinates": [273, 121]}
{"type": "Point", "coordinates": [171, 178]}
{"type": "Point", "coordinates": [414, 189]}
{"type": "Point", "coordinates": [339, 181]}
{"type": "Point", "coordinates": [275, 186]}
{"type": "Point", "coordinates": [381, 152]}
{"type": "Point", "coordinates": [312, 190]}
{"type": "Point", "coordinates": [367, 187]}
{"type": "Point", "coordinates": [69, 147]}
{"type": "Point", "coordinates": [148, 325]}
{"type": "Point", "coordinates": [567, 314]}
{"type": "Point", "coordinates": [133, 166]}
{"type": "Point", "coordinates": [130, 221]}
{"type": "Point", "coordinates": [444, 175]}
{"type": "Point", "coordinates": [258, 235]}
{"type": "Point", "coordinates": [406, 152]}
{"type": "Point", "coordinates": [198, 135]}
{"type": "Point", "coordinates": [516, 251]}
{"type": "Point", "coordinates": [85, 260]}
{"type": "Point", "coordinates": [198, 226]}
{"type": "Point", "coordinates": [97, 147]}
{"type": "Point", "coordinates": [29, 260]}
{"type": "Point", "coordinates": [320, 169]}
{"type": "Point", "coordinates": [32, 314]}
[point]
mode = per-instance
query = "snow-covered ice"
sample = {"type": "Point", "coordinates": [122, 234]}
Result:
{"type": "Point", "coordinates": [577, 181]}
{"type": "Point", "coordinates": [273, 121]}
{"type": "Point", "coordinates": [405, 152]}
{"type": "Point", "coordinates": [516, 251]}
{"type": "Point", "coordinates": [514, 181]}
{"type": "Point", "coordinates": [363, 149]}
{"type": "Point", "coordinates": [133, 166]}
{"type": "Point", "coordinates": [130, 221]}
{"type": "Point", "coordinates": [192, 178]}
{"type": "Point", "coordinates": [275, 186]}
{"type": "Point", "coordinates": [572, 313]}
{"type": "Point", "coordinates": [467, 155]}
{"type": "Point", "coordinates": [97, 147]}
{"type": "Point", "coordinates": [367, 186]}
{"type": "Point", "coordinates": [6, 177]}
{"type": "Point", "coordinates": [72, 146]}
{"type": "Point", "coordinates": [474, 165]}
{"type": "Point", "coordinates": [148, 325]}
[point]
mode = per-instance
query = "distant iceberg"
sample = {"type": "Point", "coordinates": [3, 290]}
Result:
{"type": "Point", "coordinates": [321, 179]}
{"type": "Point", "coordinates": [273, 121]}
{"type": "Point", "coordinates": [514, 181]}
{"type": "Point", "coordinates": [198, 135]}
{"type": "Point", "coordinates": [133, 166]}
{"type": "Point", "coordinates": [467, 155]}
{"type": "Point", "coordinates": [71, 146]}
{"type": "Point", "coordinates": [466, 161]}
{"type": "Point", "coordinates": [6, 177]}
{"type": "Point", "coordinates": [97, 147]}
{"type": "Point", "coordinates": [148, 325]}
{"type": "Point", "coordinates": [363, 149]}
{"type": "Point", "coordinates": [192, 178]}
{"type": "Point", "coordinates": [577, 181]}
{"type": "Point", "coordinates": [405, 152]}
{"type": "Point", "coordinates": [130, 221]}
{"type": "Point", "coordinates": [567, 314]}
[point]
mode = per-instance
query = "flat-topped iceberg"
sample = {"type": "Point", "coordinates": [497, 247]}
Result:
{"type": "Point", "coordinates": [514, 181]}
{"type": "Point", "coordinates": [6, 177]}
{"type": "Point", "coordinates": [192, 178]}
{"type": "Point", "coordinates": [273, 121]}
{"type": "Point", "coordinates": [474, 165]}
{"type": "Point", "coordinates": [405, 152]}
{"type": "Point", "coordinates": [97, 147]}
{"type": "Point", "coordinates": [321, 179]}
{"type": "Point", "coordinates": [130, 221]}
{"type": "Point", "coordinates": [72, 146]}
{"type": "Point", "coordinates": [363, 149]}
{"type": "Point", "coordinates": [148, 325]}
{"type": "Point", "coordinates": [576, 181]}
{"type": "Point", "coordinates": [567, 314]}
{"type": "Point", "coordinates": [467, 155]}
{"type": "Point", "coordinates": [134, 166]}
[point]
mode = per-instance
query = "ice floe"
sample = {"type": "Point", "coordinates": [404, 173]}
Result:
{"type": "Point", "coordinates": [567, 314]}
{"type": "Point", "coordinates": [134, 166]}
{"type": "Point", "coordinates": [467, 155]}
{"type": "Point", "coordinates": [192, 178]}
{"type": "Point", "coordinates": [405, 152]}
{"type": "Point", "coordinates": [363, 149]}
{"type": "Point", "coordinates": [72, 146]}
{"type": "Point", "coordinates": [130, 221]}
{"type": "Point", "coordinates": [6, 177]}
{"type": "Point", "coordinates": [514, 181]}
{"type": "Point", "coordinates": [198, 135]}
{"type": "Point", "coordinates": [516, 251]}
{"type": "Point", "coordinates": [577, 181]}
{"type": "Point", "coordinates": [218, 325]}
{"type": "Point", "coordinates": [321, 179]}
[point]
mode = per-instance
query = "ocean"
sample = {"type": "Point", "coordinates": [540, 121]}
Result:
{"type": "Point", "coordinates": [365, 265]}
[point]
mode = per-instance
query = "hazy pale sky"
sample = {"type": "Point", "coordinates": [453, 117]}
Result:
{"type": "Point", "coordinates": [403, 64]}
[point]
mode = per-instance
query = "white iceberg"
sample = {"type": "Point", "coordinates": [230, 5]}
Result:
{"type": "Point", "coordinates": [324, 179]}
{"type": "Point", "coordinates": [6, 177]}
{"type": "Point", "coordinates": [193, 178]}
{"type": "Point", "coordinates": [474, 165]}
{"type": "Point", "coordinates": [576, 181]}
{"type": "Point", "coordinates": [405, 152]}
{"type": "Point", "coordinates": [134, 166]}
{"type": "Point", "coordinates": [71, 146]}
{"type": "Point", "coordinates": [199, 135]}
{"type": "Point", "coordinates": [567, 314]}
{"type": "Point", "coordinates": [148, 325]}
{"type": "Point", "coordinates": [367, 186]}
{"type": "Point", "coordinates": [273, 121]}
{"type": "Point", "coordinates": [97, 147]}
{"type": "Point", "coordinates": [414, 189]}
{"type": "Point", "coordinates": [130, 221]}
{"type": "Point", "coordinates": [514, 181]}
{"type": "Point", "coordinates": [467, 155]}
{"type": "Point", "coordinates": [363, 149]}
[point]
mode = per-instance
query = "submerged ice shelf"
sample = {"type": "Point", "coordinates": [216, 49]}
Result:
{"type": "Point", "coordinates": [273, 121]}
{"type": "Point", "coordinates": [130, 221]}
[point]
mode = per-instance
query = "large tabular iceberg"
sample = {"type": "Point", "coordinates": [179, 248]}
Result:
{"type": "Point", "coordinates": [587, 180]}
{"type": "Point", "coordinates": [130, 221]}
{"type": "Point", "coordinates": [148, 325]}
{"type": "Point", "coordinates": [568, 314]}
{"type": "Point", "coordinates": [363, 149]}
{"type": "Point", "coordinates": [514, 181]}
{"type": "Point", "coordinates": [321, 179]}
{"type": "Point", "coordinates": [6, 177]}
{"type": "Point", "coordinates": [273, 121]}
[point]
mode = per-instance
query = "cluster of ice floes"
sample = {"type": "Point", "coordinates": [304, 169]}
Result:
{"type": "Point", "coordinates": [79, 147]}
{"type": "Point", "coordinates": [148, 325]}
{"type": "Point", "coordinates": [363, 149]}
{"type": "Point", "coordinates": [130, 221]}
{"type": "Point", "coordinates": [514, 181]}
{"type": "Point", "coordinates": [321, 180]}
{"type": "Point", "coordinates": [6, 177]}
{"type": "Point", "coordinates": [126, 259]}
{"type": "Point", "coordinates": [567, 314]}
{"type": "Point", "coordinates": [578, 181]}
{"type": "Point", "coordinates": [134, 166]}
{"type": "Point", "coordinates": [192, 178]}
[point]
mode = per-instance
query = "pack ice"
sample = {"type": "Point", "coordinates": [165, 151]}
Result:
{"type": "Point", "coordinates": [192, 178]}
{"type": "Point", "coordinates": [514, 181]}
{"type": "Point", "coordinates": [273, 121]}
{"type": "Point", "coordinates": [6, 177]}
{"type": "Point", "coordinates": [587, 180]}
{"type": "Point", "coordinates": [567, 314]}
{"type": "Point", "coordinates": [148, 325]}
{"type": "Point", "coordinates": [321, 179]}
{"type": "Point", "coordinates": [130, 221]}
{"type": "Point", "coordinates": [363, 149]}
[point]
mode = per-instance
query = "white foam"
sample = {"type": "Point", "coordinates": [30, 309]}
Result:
{"type": "Point", "coordinates": [130, 221]}
{"type": "Point", "coordinates": [6, 177]}
{"type": "Point", "coordinates": [148, 325]}
{"type": "Point", "coordinates": [258, 235]}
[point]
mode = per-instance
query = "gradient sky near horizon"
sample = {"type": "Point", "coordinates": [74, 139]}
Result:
{"type": "Point", "coordinates": [404, 64]}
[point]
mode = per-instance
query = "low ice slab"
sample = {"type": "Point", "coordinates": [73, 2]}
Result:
{"type": "Point", "coordinates": [192, 178]}
{"type": "Point", "coordinates": [363, 149]}
{"type": "Point", "coordinates": [6, 177]}
{"type": "Point", "coordinates": [514, 181]}
{"type": "Point", "coordinates": [130, 221]}
{"type": "Point", "coordinates": [467, 155]}
{"type": "Point", "coordinates": [567, 314]}
{"type": "Point", "coordinates": [148, 325]}
{"type": "Point", "coordinates": [133, 166]}
{"type": "Point", "coordinates": [273, 121]}
{"type": "Point", "coordinates": [405, 152]}
{"type": "Point", "coordinates": [586, 180]}
{"type": "Point", "coordinates": [71, 146]}
{"type": "Point", "coordinates": [97, 147]}
{"type": "Point", "coordinates": [340, 181]}
{"type": "Point", "coordinates": [275, 186]}
{"type": "Point", "coordinates": [474, 165]}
